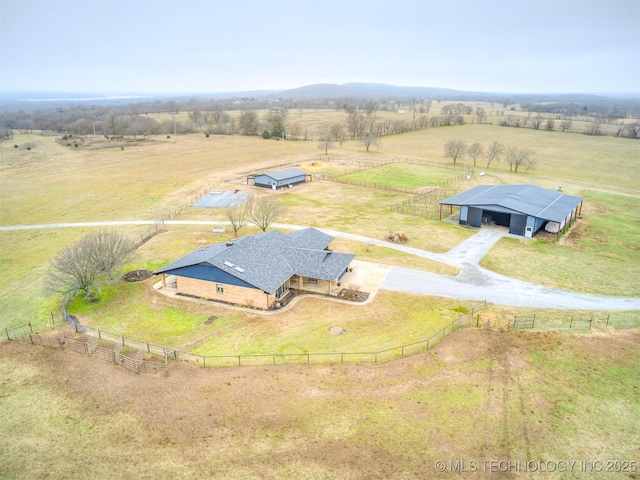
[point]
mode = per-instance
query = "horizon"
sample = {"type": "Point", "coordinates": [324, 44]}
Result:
{"type": "Point", "coordinates": [123, 95]}
{"type": "Point", "coordinates": [160, 47]}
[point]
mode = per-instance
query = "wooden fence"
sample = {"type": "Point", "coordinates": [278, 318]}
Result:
{"type": "Point", "coordinates": [74, 337]}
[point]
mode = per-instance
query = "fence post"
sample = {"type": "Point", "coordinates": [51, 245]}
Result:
{"type": "Point", "coordinates": [533, 324]}
{"type": "Point", "coordinates": [30, 328]}
{"type": "Point", "coordinates": [590, 322]}
{"type": "Point", "coordinates": [53, 322]}
{"type": "Point", "coordinates": [239, 364]}
{"type": "Point", "coordinates": [9, 338]}
{"type": "Point", "coordinates": [571, 322]}
{"type": "Point", "coordinates": [607, 324]}
{"type": "Point", "coordinates": [341, 357]}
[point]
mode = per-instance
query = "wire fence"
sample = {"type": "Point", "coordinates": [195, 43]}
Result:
{"type": "Point", "coordinates": [134, 354]}
{"type": "Point", "coordinates": [545, 322]}
{"type": "Point", "coordinates": [144, 357]}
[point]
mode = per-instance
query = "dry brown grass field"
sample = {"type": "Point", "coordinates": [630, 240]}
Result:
{"type": "Point", "coordinates": [478, 395]}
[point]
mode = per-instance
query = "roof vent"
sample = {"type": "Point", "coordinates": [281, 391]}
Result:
{"type": "Point", "coordinates": [229, 264]}
{"type": "Point", "coordinates": [241, 270]}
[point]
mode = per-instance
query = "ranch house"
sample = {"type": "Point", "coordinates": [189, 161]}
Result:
{"type": "Point", "coordinates": [259, 270]}
{"type": "Point", "coordinates": [524, 209]}
{"type": "Point", "coordinates": [279, 179]}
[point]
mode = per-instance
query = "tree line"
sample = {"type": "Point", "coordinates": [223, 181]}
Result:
{"type": "Point", "coordinates": [518, 159]}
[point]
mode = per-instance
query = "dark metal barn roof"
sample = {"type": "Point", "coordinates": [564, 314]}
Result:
{"type": "Point", "coordinates": [525, 199]}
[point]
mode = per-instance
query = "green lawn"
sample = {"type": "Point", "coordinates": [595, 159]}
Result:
{"type": "Point", "coordinates": [600, 254]}
{"type": "Point", "coordinates": [403, 175]}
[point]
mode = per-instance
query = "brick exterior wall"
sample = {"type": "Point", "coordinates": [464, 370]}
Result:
{"type": "Point", "coordinates": [251, 297]}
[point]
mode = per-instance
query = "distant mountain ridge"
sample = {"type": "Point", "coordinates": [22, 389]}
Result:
{"type": "Point", "coordinates": [321, 91]}
{"type": "Point", "coordinates": [366, 90]}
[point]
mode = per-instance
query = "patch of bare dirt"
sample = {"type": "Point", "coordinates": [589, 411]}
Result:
{"type": "Point", "coordinates": [327, 417]}
{"type": "Point", "coordinates": [137, 275]}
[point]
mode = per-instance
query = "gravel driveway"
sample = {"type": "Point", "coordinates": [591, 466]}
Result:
{"type": "Point", "coordinates": [472, 283]}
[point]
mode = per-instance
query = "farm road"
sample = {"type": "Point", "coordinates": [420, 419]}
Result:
{"type": "Point", "coordinates": [472, 283]}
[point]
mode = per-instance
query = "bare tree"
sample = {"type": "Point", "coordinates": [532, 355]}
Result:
{"type": "Point", "coordinates": [481, 115]}
{"type": "Point", "coordinates": [633, 129]}
{"type": "Point", "coordinates": [109, 249]}
{"type": "Point", "coordinates": [519, 157]}
{"type": "Point", "coordinates": [355, 121]}
{"type": "Point", "coordinates": [83, 265]}
{"type": "Point", "coordinates": [494, 151]}
{"type": "Point", "coordinates": [550, 124]}
{"type": "Point", "coordinates": [454, 148]}
{"type": "Point", "coordinates": [594, 129]}
{"type": "Point", "coordinates": [295, 131]}
{"type": "Point", "coordinates": [475, 150]}
{"type": "Point", "coordinates": [370, 108]}
{"type": "Point", "coordinates": [113, 124]}
{"type": "Point", "coordinates": [337, 132]}
{"type": "Point", "coordinates": [367, 139]}
{"type": "Point", "coordinates": [537, 121]}
{"type": "Point", "coordinates": [263, 211]}
{"type": "Point", "coordinates": [238, 216]}
{"type": "Point", "coordinates": [248, 122]}
{"type": "Point", "coordinates": [565, 124]}
{"type": "Point", "coordinates": [325, 142]}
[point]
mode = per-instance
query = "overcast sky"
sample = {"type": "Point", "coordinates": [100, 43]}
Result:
{"type": "Point", "coordinates": [150, 46]}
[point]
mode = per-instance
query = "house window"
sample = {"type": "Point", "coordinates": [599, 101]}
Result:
{"type": "Point", "coordinates": [282, 291]}
{"type": "Point", "coordinates": [219, 288]}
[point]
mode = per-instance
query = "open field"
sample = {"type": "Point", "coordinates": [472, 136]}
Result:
{"type": "Point", "coordinates": [478, 396]}
{"type": "Point", "coordinates": [157, 176]}
{"type": "Point", "coordinates": [403, 176]}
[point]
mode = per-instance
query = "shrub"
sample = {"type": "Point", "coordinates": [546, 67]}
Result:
{"type": "Point", "coordinates": [266, 134]}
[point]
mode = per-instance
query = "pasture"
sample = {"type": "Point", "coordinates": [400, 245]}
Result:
{"type": "Point", "coordinates": [479, 395]}
{"type": "Point", "coordinates": [533, 395]}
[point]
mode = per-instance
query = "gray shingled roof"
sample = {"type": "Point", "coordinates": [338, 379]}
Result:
{"type": "Point", "coordinates": [269, 259]}
{"type": "Point", "coordinates": [526, 199]}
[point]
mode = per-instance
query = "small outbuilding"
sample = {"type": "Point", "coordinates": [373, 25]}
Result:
{"type": "Point", "coordinates": [279, 179]}
{"type": "Point", "coordinates": [525, 209]}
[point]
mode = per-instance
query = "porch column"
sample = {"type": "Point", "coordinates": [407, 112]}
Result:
{"type": "Point", "coordinates": [164, 281]}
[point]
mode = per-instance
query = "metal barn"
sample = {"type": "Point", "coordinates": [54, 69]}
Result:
{"type": "Point", "coordinates": [524, 209]}
{"type": "Point", "coordinates": [279, 179]}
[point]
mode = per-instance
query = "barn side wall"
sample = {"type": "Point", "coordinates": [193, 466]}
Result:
{"type": "Point", "coordinates": [474, 217]}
